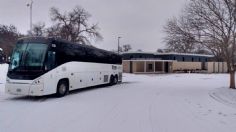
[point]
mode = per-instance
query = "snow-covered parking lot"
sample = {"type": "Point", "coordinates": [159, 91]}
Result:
{"type": "Point", "coordinates": [142, 103]}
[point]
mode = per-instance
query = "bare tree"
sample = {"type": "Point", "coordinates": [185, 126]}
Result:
{"type": "Point", "coordinates": [2, 56]}
{"type": "Point", "coordinates": [73, 26]}
{"type": "Point", "coordinates": [8, 37]}
{"type": "Point", "coordinates": [213, 26]}
{"type": "Point", "coordinates": [140, 50]}
{"type": "Point", "coordinates": [216, 25]}
{"type": "Point", "coordinates": [120, 49]}
{"type": "Point", "coordinates": [38, 29]}
{"type": "Point", "coordinates": [160, 51]}
{"type": "Point", "coordinates": [53, 31]}
{"type": "Point", "coordinates": [127, 47]}
{"type": "Point", "coordinates": [179, 37]}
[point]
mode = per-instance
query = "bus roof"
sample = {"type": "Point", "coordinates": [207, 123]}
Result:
{"type": "Point", "coordinates": [49, 40]}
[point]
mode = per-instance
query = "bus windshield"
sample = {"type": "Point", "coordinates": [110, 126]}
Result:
{"type": "Point", "coordinates": [28, 56]}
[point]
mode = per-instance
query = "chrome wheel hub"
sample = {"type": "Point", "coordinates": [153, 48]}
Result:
{"type": "Point", "coordinates": [62, 89]}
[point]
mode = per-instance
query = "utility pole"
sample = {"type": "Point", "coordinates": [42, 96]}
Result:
{"type": "Point", "coordinates": [118, 45]}
{"type": "Point", "coordinates": [30, 5]}
{"type": "Point", "coordinates": [234, 13]}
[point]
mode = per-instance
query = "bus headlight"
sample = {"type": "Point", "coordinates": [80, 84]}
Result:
{"type": "Point", "coordinates": [37, 81]}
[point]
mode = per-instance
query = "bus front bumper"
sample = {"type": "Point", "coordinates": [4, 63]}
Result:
{"type": "Point", "coordinates": [24, 89]}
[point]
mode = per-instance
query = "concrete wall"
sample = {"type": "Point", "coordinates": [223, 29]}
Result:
{"type": "Point", "coordinates": [225, 67]}
{"type": "Point", "coordinates": [217, 67]}
{"type": "Point", "coordinates": [220, 66]}
{"type": "Point", "coordinates": [210, 67]}
{"type": "Point", "coordinates": [126, 66]}
{"type": "Point", "coordinates": [186, 65]}
{"type": "Point", "coordinates": [138, 66]}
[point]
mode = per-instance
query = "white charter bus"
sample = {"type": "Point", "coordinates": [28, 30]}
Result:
{"type": "Point", "coordinates": [42, 66]}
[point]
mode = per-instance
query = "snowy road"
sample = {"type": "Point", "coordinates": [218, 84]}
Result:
{"type": "Point", "coordinates": [143, 103]}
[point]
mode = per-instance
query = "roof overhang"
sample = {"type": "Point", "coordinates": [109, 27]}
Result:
{"type": "Point", "coordinates": [171, 53]}
{"type": "Point", "coordinates": [143, 60]}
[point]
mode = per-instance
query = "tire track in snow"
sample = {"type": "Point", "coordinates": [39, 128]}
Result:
{"type": "Point", "coordinates": [216, 97]}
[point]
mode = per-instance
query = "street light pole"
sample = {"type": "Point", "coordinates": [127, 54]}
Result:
{"type": "Point", "coordinates": [118, 45]}
{"type": "Point", "coordinates": [234, 13]}
{"type": "Point", "coordinates": [30, 5]}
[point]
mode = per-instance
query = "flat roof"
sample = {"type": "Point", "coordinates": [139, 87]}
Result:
{"type": "Point", "coordinates": [170, 53]}
{"type": "Point", "coordinates": [151, 60]}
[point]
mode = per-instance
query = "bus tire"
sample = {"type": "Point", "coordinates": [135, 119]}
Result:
{"type": "Point", "coordinates": [62, 88]}
{"type": "Point", "coordinates": [115, 79]}
{"type": "Point", "coordinates": [111, 82]}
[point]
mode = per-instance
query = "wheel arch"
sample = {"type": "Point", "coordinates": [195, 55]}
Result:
{"type": "Point", "coordinates": [59, 83]}
{"type": "Point", "coordinates": [64, 79]}
{"type": "Point", "coordinates": [116, 75]}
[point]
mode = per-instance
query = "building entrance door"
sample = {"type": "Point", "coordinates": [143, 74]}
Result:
{"type": "Point", "coordinates": [166, 67]}
{"type": "Point", "coordinates": [131, 67]}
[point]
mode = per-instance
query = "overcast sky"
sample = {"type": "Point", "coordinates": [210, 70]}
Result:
{"type": "Point", "coordinates": [138, 22]}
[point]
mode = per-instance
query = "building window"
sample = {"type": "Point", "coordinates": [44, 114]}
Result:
{"type": "Point", "coordinates": [131, 57]}
{"type": "Point", "coordinates": [174, 58]}
{"type": "Point", "coordinates": [199, 59]}
{"type": "Point", "coordinates": [183, 59]}
{"type": "Point", "coordinates": [192, 59]}
{"type": "Point", "coordinates": [150, 67]}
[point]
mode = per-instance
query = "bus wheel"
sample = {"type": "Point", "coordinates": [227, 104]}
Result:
{"type": "Point", "coordinates": [62, 88]}
{"type": "Point", "coordinates": [115, 80]}
{"type": "Point", "coordinates": [111, 80]}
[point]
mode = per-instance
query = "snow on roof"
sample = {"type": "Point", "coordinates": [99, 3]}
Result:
{"type": "Point", "coordinates": [170, 53]}
{"type": "Point", "coordinates": [191, 54]}
{"type": "Point", "coordinates": [151, 60]}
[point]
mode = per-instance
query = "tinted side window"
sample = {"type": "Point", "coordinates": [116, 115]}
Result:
{"type": "Point", "coordinates": [51, 60]}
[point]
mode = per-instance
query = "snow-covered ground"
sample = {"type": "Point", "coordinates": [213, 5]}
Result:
{"type": "Point", "coordinates": [3, 73]}
{"type": "Point", "coordinates": [142, 103]}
